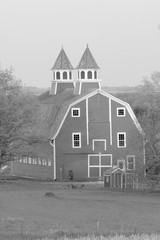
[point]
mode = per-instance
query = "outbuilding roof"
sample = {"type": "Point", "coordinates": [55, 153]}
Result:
{"type": "Point", "coordinates": [87, 61]}
{"type": "Point", "coordinates": [62, 62]}
{"type": "Point", "coordinates": [113, 170]}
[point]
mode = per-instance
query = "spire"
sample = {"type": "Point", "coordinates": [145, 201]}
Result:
{"type": "Point", "coordinates": [62, 62]}
{"type": "Point", "coordinates": [87, 61]}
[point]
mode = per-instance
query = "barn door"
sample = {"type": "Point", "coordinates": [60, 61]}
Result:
{"type": "Point", "coordinates": [97, 164]}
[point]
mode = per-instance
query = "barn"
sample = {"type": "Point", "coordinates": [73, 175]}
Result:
{"type": "Point", "coordinates": [85, 131]}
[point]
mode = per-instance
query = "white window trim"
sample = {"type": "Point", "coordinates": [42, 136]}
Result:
{"type": "Point", "coordinates": [124, 139]}
{"type": "Point", "coordinates": [76, 133]}
{"type": "Point", "coordinates": [99, 140]}
{"type": "Point", "coordinates": [124, 111]}
{"type": "Point", "coordinates": [99, 166]}
{"type": "Point", "coordinates": [121, 160]}
{"type": "Point", "coordinates": [133, 162]}
{"type": "Point", "coordinates": [79, 112]}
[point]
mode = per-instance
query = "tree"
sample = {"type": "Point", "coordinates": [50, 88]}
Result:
{"type": "Point", "coordinates": [148, 115]}
{"type": "Point", "coordinates": [16, 115]}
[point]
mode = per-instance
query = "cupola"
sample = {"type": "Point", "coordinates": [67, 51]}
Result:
{"type": "Point", "coordinates": [87, 70]}
{"type": "Point", "coordinates": [87, 67]}
{"type": "Point", "coordinates": [62, 73]}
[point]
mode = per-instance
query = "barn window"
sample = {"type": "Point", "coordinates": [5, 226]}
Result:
{"type": "Point", "coordinates": [49, 163]}
{"type": "Point", "coordinates": [89, 75]}
{"type": "Point", "coordinates": [121, 164]}
{"type": "Point", "coordinates": [75, 112]}
{"type": "Point", "coordinates": [121, 140]}
{"type": "Point", "coordinates": [76, 140]}
{"type": "Point", "coordinates": [44, 162]}
{"type": "Point", "coordinates": [121, 112]}
{"type": "Point", "coordinates": [82, 75]}
{"type": "Point", "coordinates": [39, 161]}
{"type": "Point", "coordinates": [29, 160]}
{"type": "Point", "coordinates": [131, 162]}
{"type": "Point", "coordinates": [65, 75]}
{"type": "Point", "coordinates": [58, 75]}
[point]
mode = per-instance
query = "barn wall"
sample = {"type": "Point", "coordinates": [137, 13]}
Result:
{"type": "Point", "coordinates": [76, 159]}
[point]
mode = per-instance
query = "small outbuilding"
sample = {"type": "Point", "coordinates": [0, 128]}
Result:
{"type": "Point", "coordinates": [118, 178]}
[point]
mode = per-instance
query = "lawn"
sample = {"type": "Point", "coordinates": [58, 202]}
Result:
{"type": "Point", "coordinates": [26, 210]}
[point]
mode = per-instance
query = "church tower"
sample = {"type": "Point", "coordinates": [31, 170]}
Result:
{"type": "Point", "coordinates": [62, 74]}
{"type": "Point", "coordinates": [87, 73]}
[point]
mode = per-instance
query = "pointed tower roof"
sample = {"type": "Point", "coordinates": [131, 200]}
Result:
{"type": "Point", "coordinates": [62, 62]}
{"type": "Point", "coordinates": [87, 61]}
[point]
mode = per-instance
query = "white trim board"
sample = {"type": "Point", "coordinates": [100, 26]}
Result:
{"type": "Point", "coordinates": [130, 111]}
{"type": "Point", "coordinates": [99, 166]}
{"type": "Point", "coordinates": [99, 140]}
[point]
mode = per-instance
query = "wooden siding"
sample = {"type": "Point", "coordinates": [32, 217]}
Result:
{"type": "Point", "coordinates": [76, 159]}
{"type": "Point", "coordinates": [62, 86]}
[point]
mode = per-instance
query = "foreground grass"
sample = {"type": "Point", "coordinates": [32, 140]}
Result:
{"type": "Point", "coordinates": [31, 210]}
{"type": "Point", "coordinates": [93, 237]}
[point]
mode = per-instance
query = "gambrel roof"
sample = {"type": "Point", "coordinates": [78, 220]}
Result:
{"type": "Point", "coordinates": [53, 110]}
{"type": "Point", "coordinates": [87, 61]}
{"type": "Point", "coordinates": [62, 62]}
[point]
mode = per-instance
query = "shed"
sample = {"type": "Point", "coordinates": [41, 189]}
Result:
{"type": "Point", "coordinates": [119, 178]}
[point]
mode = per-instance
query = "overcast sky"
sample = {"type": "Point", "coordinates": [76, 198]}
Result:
{"type": "Point", "coordinates": [123, 36]}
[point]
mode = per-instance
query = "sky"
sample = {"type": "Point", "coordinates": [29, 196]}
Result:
{"type": "Point", "coordinates": [123, 36]}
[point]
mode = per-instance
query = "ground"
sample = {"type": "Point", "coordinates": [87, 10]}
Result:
{"type": "Point", "coordinates": [43, 208]}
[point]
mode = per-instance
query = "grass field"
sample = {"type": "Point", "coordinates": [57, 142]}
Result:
{"type": "Point", "coordinates": [26, 210]}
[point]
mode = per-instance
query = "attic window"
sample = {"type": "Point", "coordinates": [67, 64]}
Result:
{"type": "Point", "coordinates": [121, 112]}
{"type": "Point", "coordinates": [75, 112]}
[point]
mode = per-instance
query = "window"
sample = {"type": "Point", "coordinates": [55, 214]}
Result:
{"type": "Point", "coordinates": [131, 162]}
{"type": "Point", "coordinates": [121, 112]}
{"type": "Point", "coordinates": [89, 75]}
{"type": "Point", "coordinates": [121, 164]}
{"type": "Point", "coordinates": [39, 161]}
{"type": "Point", "coordinates": [76, 140]}
{"type": "Point", "coordinates": [95, 75]}
{"type": "Point", "coordinates": [70, 75]}
{"type": "Point", "coordinates": [49, 163]}
{"type": "Point", "coordinates": [82, 75]}
{"type": "Point", "coordinates": [121, 140]}
{"type": "Point", "coordinates": [57, 75]}
{"type": "Point", "coordinates": [29, 160]}
{"type": "Point", "coordinates": [65, 75]}
{"type": "Point", "coordinates": [75, 112]}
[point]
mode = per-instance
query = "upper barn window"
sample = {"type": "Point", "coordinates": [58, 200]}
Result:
{"type": "Point", "coordinates": [121, 112]}
{"type": "Point", "coordinates": [75, 112]}
{"type": "Point", "coordinates": [76, 140]}
{"type": "Point", "coordinates": [121, 140]}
